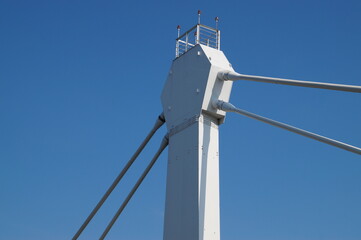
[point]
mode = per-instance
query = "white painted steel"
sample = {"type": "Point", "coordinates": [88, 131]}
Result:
{"type": "Point", "coordinates": [192, 199]}
{"type": "Point", "coordinates": [231, 108]}
{"type": "Point", "coordinates": [192, 83]}
{"type": "Point", "coordinates": [225, 75]}
{"type": "Point", "coordinates": [198, 33]}
{"type": "Point", "coordinates": [202, 35]}
{"type": "Point", "coordinates": [192, 194]}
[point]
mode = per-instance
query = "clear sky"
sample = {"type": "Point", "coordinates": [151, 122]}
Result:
{"type": "Point", "coordinates": [80, 85]}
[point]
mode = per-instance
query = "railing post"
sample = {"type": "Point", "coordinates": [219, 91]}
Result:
{"type": "Point", "coordinates": [177, 49]}
{"type": "Point", "coordinates": [197, 37]}
{"type": "Point", "coordinates": [177, 44]}
{"type": "Point", "coordinates": [210, 37]}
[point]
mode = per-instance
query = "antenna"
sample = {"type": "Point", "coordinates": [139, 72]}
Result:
{"type": "Point", "coordinates": [178, 29]}
{"type": "Point", "coordinates": [199, 16]}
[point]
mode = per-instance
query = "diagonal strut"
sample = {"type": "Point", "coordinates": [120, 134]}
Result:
{"type": "Point", "coordinates": [163, 145]}
{"type": "Point", "coordinates": [227, 107]}
{"type": "Point", "coordinates": [232, 76]}
{"type": "Point", "coordinates": [160, 121]}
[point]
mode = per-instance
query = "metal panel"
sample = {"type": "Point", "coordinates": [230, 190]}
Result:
{"type": "Point", "coordinates": [192, 85]}
{"type": "Point", "coordinates": [181, 220]}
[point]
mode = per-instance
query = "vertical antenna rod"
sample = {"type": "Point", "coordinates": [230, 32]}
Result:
{"type": "Point", "coordinates": [199, 16]}
{"type": "Point", "coordinates": [163, 145]}
{"type": "Point", "coordinates": [178, 29]}
{"type": "Point", "coordinates": [160, 121]}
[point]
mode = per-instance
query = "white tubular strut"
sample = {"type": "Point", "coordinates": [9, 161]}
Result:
{"type": "Point", "coordinates": [227, 107]}
{"type": "Point", "coordinates": [232, 76]}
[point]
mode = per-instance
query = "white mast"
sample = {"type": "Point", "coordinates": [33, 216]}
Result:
{"type": "Point", "coordinates": [195, 101]}
{"type": "Point", "coordinates": [192, 195]}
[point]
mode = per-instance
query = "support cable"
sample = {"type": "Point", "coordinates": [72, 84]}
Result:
{"type": "Point", "coordinates": [232, 76]}
{"type": "Point", "coordinates": [227, 107]}
{"type": "Point", "coordinates": [163, 145]}
{"type": "Point", "coordinates": [160, 121]}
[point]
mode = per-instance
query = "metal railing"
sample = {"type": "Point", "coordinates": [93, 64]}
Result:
{"type": "Point", "coordinates": [198, 34]}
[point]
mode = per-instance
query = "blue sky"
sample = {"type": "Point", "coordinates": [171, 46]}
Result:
{"type": "Point", "coordinates": [80, 85]}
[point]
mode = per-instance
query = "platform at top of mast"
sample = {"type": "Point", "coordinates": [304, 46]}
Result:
{"type": "Point", "coordinates": [198, 34]}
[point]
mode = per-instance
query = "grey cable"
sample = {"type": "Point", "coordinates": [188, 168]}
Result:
{"type": "Point", "coordinates": [163, 145]}
{"type": "Point", "coordinates": [160, 121]}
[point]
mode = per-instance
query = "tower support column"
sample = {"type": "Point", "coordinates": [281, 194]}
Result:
{"type": "Point", "coordinates": [192, 195]}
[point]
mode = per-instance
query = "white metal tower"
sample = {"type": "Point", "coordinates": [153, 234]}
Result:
{"type": "Point", "coordinates": [192, 195]}
{"type": "Point", "coordinates": [195, 101]}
